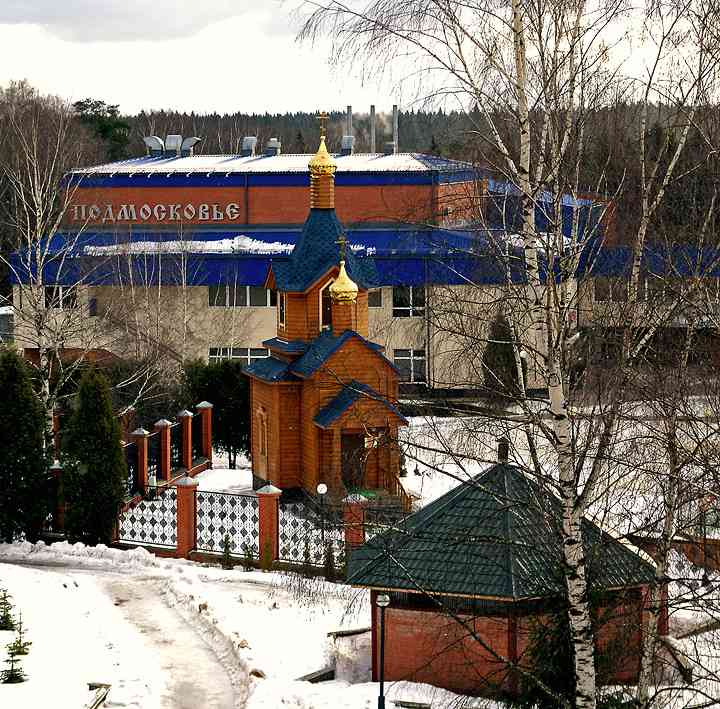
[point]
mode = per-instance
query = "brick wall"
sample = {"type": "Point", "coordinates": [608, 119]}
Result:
{"type": "Point", "coordinates": [263, 204]}
{"type": "Point", "coordinates": [426, 646]}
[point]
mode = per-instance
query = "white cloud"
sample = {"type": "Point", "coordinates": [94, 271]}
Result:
{"type": "Point", "coordinates": [122, 20]}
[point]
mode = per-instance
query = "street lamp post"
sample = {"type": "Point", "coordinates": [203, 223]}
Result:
{"type": "Point", "coordinates": [382, 602]}
{"type": "Point", "coordinates": [321, 490]}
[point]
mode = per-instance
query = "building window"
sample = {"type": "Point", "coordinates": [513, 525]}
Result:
{"type": "Point", "coordinates": [375, 298]}
{"type": "Point", "coordinates": [325, 308]}
{"type": "Point", "coordinates": [61, 297]}
{"type": "Point", "coordinates": [408, 301]}
{"type": "Point", "coordinates": [229, 296]}
{"type": "Point", "coordinates": [411, 364]}
{"type": "Point", "coordinates": [282, 303]}
{"type": "Point", "coordinates": [247, 355]}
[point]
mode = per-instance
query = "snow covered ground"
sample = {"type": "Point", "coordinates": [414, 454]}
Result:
{"type": "Point", "coordinates": [165, 631]}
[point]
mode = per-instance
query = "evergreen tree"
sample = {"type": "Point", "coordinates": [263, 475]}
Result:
{"type": "Point", "coordinates": [499, 367]}
{"type": "Point", "coordinates": [14, 673]}
{"type": "Point", "coordinates": [19, 646]}
{"type": "Point", "coordinates": [94, 464]}
{"type": "Point", "coordinates": [6, 618]}
{"type": "Point", "coordinates": [227, 560]}
{"type": "Point", "coordinates": [105, 122]}
{"type": "Point", "coordinates": [225, 386]}
{"type": "Point", "coordinates": [23, 466]}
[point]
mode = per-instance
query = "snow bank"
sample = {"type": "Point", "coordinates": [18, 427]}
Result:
{"type": "Point", "coordinates": [64, 553]}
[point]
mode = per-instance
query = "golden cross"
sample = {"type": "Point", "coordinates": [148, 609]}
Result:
{"type": "Point", "coordinates": [322, 117]}
{"type": "Point", "coordinates": [341, 242]}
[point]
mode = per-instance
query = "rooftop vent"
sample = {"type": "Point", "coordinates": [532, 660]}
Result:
{"type": "Point", "coordinates": [173, 144]}
{"type": "Point", "coordinates": [347, 145]}
{"type": "Point", "coordinates": [273, 147]}
{"type": "Point", "coordinates": [248, 146]}
{"type": "Point", "coordinates": [187, 147]}
{"type": "Point", "coordinates": [155, 145]}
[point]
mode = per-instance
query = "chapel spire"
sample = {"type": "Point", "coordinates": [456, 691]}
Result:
{"type": "Point", "coordinates": [343, 289]}
{"type": "Point", "coordinates": [322, 173]}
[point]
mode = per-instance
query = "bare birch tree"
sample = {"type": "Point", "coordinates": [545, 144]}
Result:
{"type": "Point", "coordinates": [534, 75]}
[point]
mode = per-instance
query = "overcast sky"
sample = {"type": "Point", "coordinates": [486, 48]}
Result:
{"type": "Point", "coordinates": [201, 55]}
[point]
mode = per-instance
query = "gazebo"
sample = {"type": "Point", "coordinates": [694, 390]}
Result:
{"type": "Point", "coordinates": [473, 576]}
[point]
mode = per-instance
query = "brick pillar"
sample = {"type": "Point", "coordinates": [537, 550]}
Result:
{"type": "Point", "coordinates": [186, 417]}
{"type": "Point", "coordinates": [186, 516]}
{"type": "Point", "coordinates": [163, 428]}
{"type": "Point", "coordinates": [56, 433]}
{"type": "Point", "coordinates": [354, 521]}
{"type": "Point", "coordinates": [59, 504]}
{"type": "Point", "coordinates": [205, 408]}
{"type": "Point", "coordinates": [140, 436]}
{"type": "Point", "coordinates": [269, 515]}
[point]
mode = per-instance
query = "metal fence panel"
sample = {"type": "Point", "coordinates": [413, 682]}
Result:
{"type": "Point", "coordinates": [221, 514]}
{"type": "Point", "coordinates": [152, 521]}
{"type": "Point", "coordinates": [306, 530]}
{"type": "Point", "coordinates": [176, 447]}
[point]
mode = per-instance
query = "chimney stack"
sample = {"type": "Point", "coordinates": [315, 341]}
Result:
{"type": "Point", "coordinates": [395, 128]}
{"type": "Point", "coordinates": [249, 143]}
{"type": "Point", "coordinates": [373, 147]}
{"type": "Point", "coordinates": [503, 454]}
{"type": "Point", "coordinates": [348, 140]}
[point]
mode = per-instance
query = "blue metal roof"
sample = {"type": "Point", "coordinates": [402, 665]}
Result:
{"type": "Point", "coordinates": [345, 398]}
{"type": "Point", "coordinates": [270, 369]}
{"type": "Point", "coordinates": [287, 346]}
{"type": "Point", "coordinates": [317, 251]}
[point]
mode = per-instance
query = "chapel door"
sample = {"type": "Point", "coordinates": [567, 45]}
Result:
{"type": "Point", "coordinates": [352, 454]}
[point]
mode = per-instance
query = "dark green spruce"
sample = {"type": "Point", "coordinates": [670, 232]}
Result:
{"type": "Point", "coordinates": [93, 461]}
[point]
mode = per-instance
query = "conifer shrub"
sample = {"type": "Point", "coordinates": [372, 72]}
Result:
{"type": "Point", "coordinates": [227, 561]}
{"type": "Point", "coordinates": [24, 470]}
{"type": "Point", "coordinates": [247, 557]}
{"type": "Point", "coordinates": [7, 622]}
{"type": "Point", "coordinates": [94, 463]}
{"type": "Point", "coordinates": [500, 375]}
{"type": "Point", "coordinates": [329, 569]}
{"type": "Point", "coordinates": [307, 565]}
{"type": "Point", "coordinates": [19, 646]}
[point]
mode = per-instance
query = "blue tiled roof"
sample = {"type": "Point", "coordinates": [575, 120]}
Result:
{"type": "Point", "coordinates": [288, 346]}
{"type": "Point", "coordinates": [496, 535]}
{"type": "Point", "coordinates": [345, 398]}
{"type": "Point", "coordinates": [270, 369]}
{"type": "Point", "coordinates": [323, 346]}
{"type": "Point", "coordinates": [317, 251]}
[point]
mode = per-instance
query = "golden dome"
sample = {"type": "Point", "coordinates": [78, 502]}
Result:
{"type": "Point", "coordinates": [343, 289]}
{"type": "Point", "coordinates": [322, 162]}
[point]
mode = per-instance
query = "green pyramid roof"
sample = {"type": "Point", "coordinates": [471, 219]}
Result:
{"type": "Point", "coordinates": [495, 536]}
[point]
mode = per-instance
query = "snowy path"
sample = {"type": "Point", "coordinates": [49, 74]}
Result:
{"type": "Point", "coordinates": [108, 626]}
{"type": "Point", "coordinates": [195, 677]}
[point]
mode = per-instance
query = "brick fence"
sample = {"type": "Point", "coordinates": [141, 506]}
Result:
{"type": "Point", "coordinates": [149, 457]}
{"type": "Point", "coordinates": [265, 541]}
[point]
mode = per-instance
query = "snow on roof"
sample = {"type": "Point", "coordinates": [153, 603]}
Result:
{"type": "Point", "coordinates": [359, 162]}
{"type": "Point", "coordinates": [239, 244]}
{"type": "Point", "coordinates": [7, 310]}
